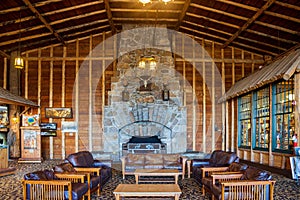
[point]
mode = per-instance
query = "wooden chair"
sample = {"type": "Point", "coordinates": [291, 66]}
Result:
{"type": "Point", "coordinates": [207, 172]}
{"type": "Point", "coordinates": [64, 186]}
{"type": "Point", "coordinates": [252, 184]}
{"type": "Point", "coordinates": [92, 175]}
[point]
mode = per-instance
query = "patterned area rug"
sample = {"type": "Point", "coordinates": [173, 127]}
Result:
{"type": "Point", "coordinates": [11, 188]}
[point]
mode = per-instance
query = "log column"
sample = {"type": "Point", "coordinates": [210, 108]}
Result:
{"type": "Point", "coordinates": [15, 88]}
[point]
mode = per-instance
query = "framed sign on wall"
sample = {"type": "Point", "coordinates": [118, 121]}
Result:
{"type": "Point", "coordinates": [58, 113]}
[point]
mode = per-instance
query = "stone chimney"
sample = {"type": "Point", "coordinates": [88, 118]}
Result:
{"type": "Point", "coordinates": [136, 103]}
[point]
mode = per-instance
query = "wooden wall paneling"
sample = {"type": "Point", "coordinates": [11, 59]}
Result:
{"type": "Point", "coordinates": [224, 105]}
{"type": "Point", "coordinates": [194, 96]}
{"type": "Point", "coordinates": [213, 107]}
{"type": "Point", "coordinates": [77, 95]}
{"type": "Point", "coordinates": [51, 102]}
{"type": "Point", "coordinates": [5, 73]}
{"type": "Point", "coordinates": [104, 78]}
{"type": "Point", "coordinates": [204, 100]}
{"type": "Point", "coordinates": [39, 81]}
{"type": "Point", "coordinates": [90, 117]}
{"type": "Point", "coordinates": [63, 134]}
{"type": "Point", "coordinates": [233, 135]}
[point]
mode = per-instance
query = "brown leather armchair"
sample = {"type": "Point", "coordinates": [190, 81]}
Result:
{"type": "Point", "coordinates": [84, 159]}
{"type": "Point", "coordinates": [46, 183]}
{"type": "Point", "coordinates": [218, 158]}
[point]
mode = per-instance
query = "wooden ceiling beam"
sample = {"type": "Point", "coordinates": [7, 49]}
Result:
{"type": "Point", "coordinates": [249, 22]}
{"type": "Point", "coordinates": [110, 17]}
{"type": "Point", "coordinates": [58, 30]}
{"type": "Point", "coordinates": [43, 20]}
{"type": "Point", "coordinates": [183, 13]}
{"type": "Point", "coordinates": [145, 19]}
{"type": "Point", "coordinates": [270, 36]}
{"type": "Point", "coordinates": [226, 33]}
{"type": "Point", "coordinates": [288, 5]}
{"type": "Point", "coordinates": [77, 17]}
{"type": "Point", "coordinates": [4, 54]}
{"type": "Point", "coordinates": [256, 22]}
{"type": "Point", "coordinates": [138, 10]}
{"type": "Point", "coordinates": [72, 8]}
{"type": "Point", "coordinates": [213, 20]}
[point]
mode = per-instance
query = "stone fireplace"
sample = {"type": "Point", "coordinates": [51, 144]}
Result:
{"type": "Point", "coordinates": [136, 105]}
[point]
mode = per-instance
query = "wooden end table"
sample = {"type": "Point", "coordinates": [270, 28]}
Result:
{"type": "Point", "coordinates": [147, 190]}
{"type": "Point", "coordinates": [156, 172]}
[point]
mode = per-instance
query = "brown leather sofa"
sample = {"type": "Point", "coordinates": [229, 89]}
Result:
{"type": "Point", "coordinates": [84, 159]}
{"type": "Point", "coordinates": [218, 158]}
{"type": "Point", "coordinates": [130, 162]}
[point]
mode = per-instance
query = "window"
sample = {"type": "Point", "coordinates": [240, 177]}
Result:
{"type": "Point", "coordinates": [283, 118]}
{"type": "Point", "coordinates": [245, 121]}
{"type": "Point", "coordinates": [262, 118]}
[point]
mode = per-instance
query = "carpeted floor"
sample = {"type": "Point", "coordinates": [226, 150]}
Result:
{"type": "Point", "coordinates": [11, 188]}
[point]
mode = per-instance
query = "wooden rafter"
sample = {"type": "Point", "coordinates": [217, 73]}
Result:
{"type": "Point", "coordinates": [109, 16]}
{"type": "Point", "coordinates": [43, 20]}
{"type": "Point", "coordinates": [256, 22]}
{"type": "Point", "coordinates": [183, 13]}
{"type": "Point", "coordinates": [4, 54]}
{"type": "Point", "coordinates": [249, 22]}
{"type": "Point", "coordinates": [223, 39]}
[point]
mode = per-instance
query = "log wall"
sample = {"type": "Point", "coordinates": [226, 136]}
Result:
{"type": "Point", "coordinates": [50, 74]}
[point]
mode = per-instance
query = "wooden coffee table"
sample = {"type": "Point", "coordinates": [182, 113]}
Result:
{"type": "Point", "coordinates": [147, 190]}
{"type": "Point", "coordinates": [156, 172]}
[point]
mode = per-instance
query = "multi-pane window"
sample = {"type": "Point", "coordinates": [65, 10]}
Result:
{"type": "Point", "coordinates": [245, 121]}
{"type": "Point", "coordinates": [262, 118]}
{"type": "Point", "coordinates": [283, 124]}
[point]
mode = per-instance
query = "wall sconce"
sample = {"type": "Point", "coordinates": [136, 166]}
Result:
{"type": "Point", "coordinates": [15, 118]}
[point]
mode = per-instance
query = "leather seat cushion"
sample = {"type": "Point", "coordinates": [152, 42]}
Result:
{"type": "Point", "coordinates": [78, 190]}
{"type": "Point", "coordinates": [154, 159]}
{"type": "Point", "coordinates": [236, 167]}
{"type": "Point", "coordinates": [132, 167]}
{"type": "Point", "coordinates": [137, 159]}
{"type": "Point", "coordinates": [95, 181]}
{"type": "Point", "coordinates": [173, 166]}
{"type": "Point", "coordinates": [154, 166]}
{"type": "Point", "coordinates": [252, 173]}
{"type": "Point", "coordinates": [64, 167]}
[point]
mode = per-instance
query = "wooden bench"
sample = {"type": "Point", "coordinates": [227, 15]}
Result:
{"type": "Point", "coordinates": [147, 190]}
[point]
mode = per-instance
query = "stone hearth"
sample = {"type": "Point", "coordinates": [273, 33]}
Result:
{"type": "Point", "coordinates": [136, 107]}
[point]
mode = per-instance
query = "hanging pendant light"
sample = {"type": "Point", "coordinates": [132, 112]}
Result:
{"type": "Point", "coordinates": [145, 1]}
{"type": "Point", "coordinates": [19, 61]}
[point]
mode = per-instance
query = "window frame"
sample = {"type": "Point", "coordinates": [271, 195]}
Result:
{"type": "Point", "coordinates": [285, 115]}
{"type": "Point", "coordinates": [240, 119]}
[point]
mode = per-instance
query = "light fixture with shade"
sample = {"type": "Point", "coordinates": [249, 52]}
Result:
{"type": "Point", "coordinates": [19, 61]}
{"type": "Point", "coordinates": [144, 2]}
{"type": "Point", "coordinates": [147, 62]}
